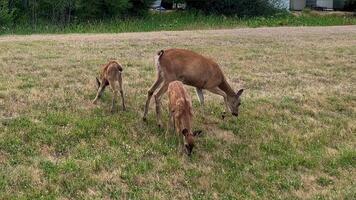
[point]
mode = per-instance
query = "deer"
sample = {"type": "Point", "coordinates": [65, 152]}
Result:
{"type": "Point", "coordinates": [181, 114]}
{"type": "Point", "coordinates": [194, 70]}
{"type": "Point", "coordinates": [110, 73]}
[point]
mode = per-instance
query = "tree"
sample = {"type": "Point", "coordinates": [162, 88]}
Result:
{"type": "Point", "coordinates": [6, 15]}
{"type": "Point", "coordinates": [63, 12]}
{"type": "Point", "coordinates": [239, 8]}
{"type": "Point", "coordinates": [350, 5]}
{"type": "Point", "coordinates": [140, 7]}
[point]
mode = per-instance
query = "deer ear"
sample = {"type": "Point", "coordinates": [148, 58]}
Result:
{"type": "Point", "coordinates": [120, 68]}
{"type": "Point", "coordinates": [97, 82]}
{"type": "Point", "coordinates": [185, 132]}
{"type": "Point", "coordinates": [240, 92]}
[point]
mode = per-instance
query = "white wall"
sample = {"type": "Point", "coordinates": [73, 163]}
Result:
{"type": "Point", "coordinates": [156, 4]}
{"type": "Point", "coordinates": [300, 4]}
{"type": "Point", "coordinates": [297, 4]}
{"type": "Point", "coordinates": [324, 3]}
{"type": "Point", "coordinates": [284, 4]}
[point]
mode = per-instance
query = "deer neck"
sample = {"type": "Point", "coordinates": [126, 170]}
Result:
{"type": "Point", "coordinates": [224, 86]}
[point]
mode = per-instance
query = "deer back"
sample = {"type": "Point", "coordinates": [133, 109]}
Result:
{"type": "Point", "coordinates": [190, 68]}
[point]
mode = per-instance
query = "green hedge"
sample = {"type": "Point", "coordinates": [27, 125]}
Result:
{"type": "Point", "coordinates": [6, 16]}
{"type": "Point", "coordinates": [350, 5]}
{"type": "Point", "coordinates": [66, 11]}
{"type": "Point", "coordinates": [241, 8]}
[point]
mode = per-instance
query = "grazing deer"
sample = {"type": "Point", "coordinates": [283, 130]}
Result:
{"type": "Point", "coordinates": [109, 74]}
{"type": "Point", "coordinates": [181, 114]}
{"type": "Point", "coordinates": [192, 69]}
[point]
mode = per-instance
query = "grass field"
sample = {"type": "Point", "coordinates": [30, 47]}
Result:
{"type": "Point", "coordinates": [294, 139]}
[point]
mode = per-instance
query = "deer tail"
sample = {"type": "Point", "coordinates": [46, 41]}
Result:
{"type": "Point", "coordinates": [157, 57]}
{"type": "Point", "coordinates": [160, 53]}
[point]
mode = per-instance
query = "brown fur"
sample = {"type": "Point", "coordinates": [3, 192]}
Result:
{"type": "Point", "coordinates": [109, 75]}
{"type": "Point", "coordinates": [181, 113]}
{"type": "Point", "coordinates": [192, 69]}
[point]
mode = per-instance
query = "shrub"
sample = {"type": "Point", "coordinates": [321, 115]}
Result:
{"type": "Point", "coordinates": [140, 7]}
{"type": "Point", "coordinates": [6, 16]}
{"type": "Point", "coordinates": [67, 11]}
{"type": "Point", "coordinates": [239, 8]}
{"type": "Point", "coordinates": [350, 5]}
{"type": "Point", "coordinates": [94, 9]}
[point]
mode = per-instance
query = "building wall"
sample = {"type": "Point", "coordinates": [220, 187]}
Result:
{"type": "Point", "coordinates": [156, 4]}
{"type": "Point", "coordinates": [311, 3]}
{"type": "Point", "coordinates": [339, 4]}
{"type": "Point", "coordinates": [297, 4]}
{"type": "Point", "coordinates": [284, 4]}
{"type": "Point", "coordinates": [324, 3]}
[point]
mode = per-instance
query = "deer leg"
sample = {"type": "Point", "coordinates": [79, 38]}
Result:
{"type": "Point", "coordinates": [100, 92]}
{"type": "Point", "coordinates": [181, 143]}
{"type": "Point", "coordinates": [121, 92]}
{"type": "Point", "coordinates": [158, 97]}
{"type": "Point", "coordinates": [170, 124]}
{"type": "Point", "coordinates": [174, 124]}
{"type": "Point", "coordinates": [115, 94]}
{"type": "Point", "coordinates": [218, 91]}
{"type": "Point", "coordinates": [200, 95]}
{"type": "Point", "coordinates": [150, 93]}
{"type": "Point", "coordinates": [97, 83]}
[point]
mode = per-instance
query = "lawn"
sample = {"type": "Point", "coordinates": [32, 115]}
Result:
{"type": "Point", "coordinates": [294, 139]}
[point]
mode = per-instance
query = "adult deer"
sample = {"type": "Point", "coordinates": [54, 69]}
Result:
{"type": "Point", "coordinates": [192, 69]}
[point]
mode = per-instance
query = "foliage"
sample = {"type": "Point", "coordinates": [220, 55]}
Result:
{"type": "Point", "coordinates": [234, 7]}
{"type": "Point", "coordinates": [64, 12]}
{"type": "Point", "coordinates": [139, 7]}
{"type": "Point", "coordinates": [5, 14]}
{"type": "Point", "coordinates": [350, 5]}
{"type": "Point", "coordinates": [93, 9]}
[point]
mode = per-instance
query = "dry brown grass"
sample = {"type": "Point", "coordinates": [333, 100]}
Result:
{"type": "Point", "coordinates": [295, 134]}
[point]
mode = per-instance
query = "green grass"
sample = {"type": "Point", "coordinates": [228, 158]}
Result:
{"type": "Point", "coordinates": [294, 138]}
{"type": "Point", "coordinates": [181, 21]}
